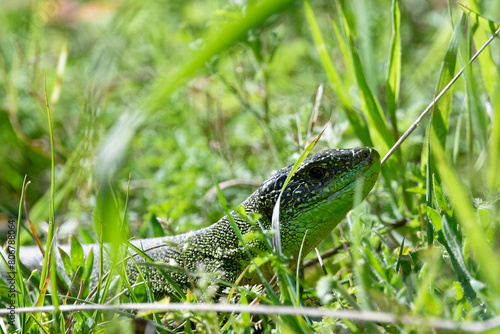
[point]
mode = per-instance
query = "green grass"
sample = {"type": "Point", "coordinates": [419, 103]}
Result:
{"type": "Point", "coordinates": [146, 106]}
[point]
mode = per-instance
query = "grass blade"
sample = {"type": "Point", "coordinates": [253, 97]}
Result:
{"type": "Point", "coordinates": [449, 239]}
{"type": "Point", "coordinates": [276, 211]}
{"type": "Point", "coordinates": [334, 77]}
{"type": "Point", "coordinates": [394, 69]}
{"type": "Point", "coordinates": [436, 99]}
{"type": "Point", "coordinates": [494, 150]}
{"type": "Point", "coordinates": [371, 107]}
{"type": "Point", "coordinates": [442, 110]}
{"type": "Point", "coordinates": [466, 215]}
{"type": "Point", "coordinates": [490, 77]}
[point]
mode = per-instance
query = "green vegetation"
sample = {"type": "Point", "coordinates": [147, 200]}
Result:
{"type": "Point", "coordinates": [153, 103]}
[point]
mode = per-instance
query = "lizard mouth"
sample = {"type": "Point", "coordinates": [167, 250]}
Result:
{"type": "Point", "coordinates": [365, 176]}
{"type": "Point", "coordinates": [364, 182]}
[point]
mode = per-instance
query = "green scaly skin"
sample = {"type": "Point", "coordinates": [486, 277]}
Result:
{"type": "Point", "coordinates": [317, 198]}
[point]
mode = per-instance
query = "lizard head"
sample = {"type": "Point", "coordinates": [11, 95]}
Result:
{"type": "Point", "coordinates": [319, 195]}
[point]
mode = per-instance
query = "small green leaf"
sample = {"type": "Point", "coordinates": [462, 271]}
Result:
{"type": "Point", "coordinates": [459, 291]}
{"type": "Point", "coordinates": [77, 258]}
{"type": "Point", "coordinates": [66, 262]}
{"type": "Point", "coordinates": [245, 316]}
{"type": "Point", "coordinates": [89, 265]}
{"type": "Point", "coordinates": [440, 199]}
{"type": "Point", "coordinates": [435, 218]}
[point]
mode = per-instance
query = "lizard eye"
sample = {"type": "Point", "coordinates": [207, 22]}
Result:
{"type": "Point", "coordinates": [317, 173]}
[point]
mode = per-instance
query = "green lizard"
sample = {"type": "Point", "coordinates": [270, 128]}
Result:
{"type": "Point", "coordinates": [316, 199]}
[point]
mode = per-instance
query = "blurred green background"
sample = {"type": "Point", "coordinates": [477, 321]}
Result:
{"type": "Point", "coordinates": [155, 102]}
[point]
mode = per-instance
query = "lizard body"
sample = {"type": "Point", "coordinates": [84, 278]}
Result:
{"type": "Point", "coordinates": [317, 198]}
